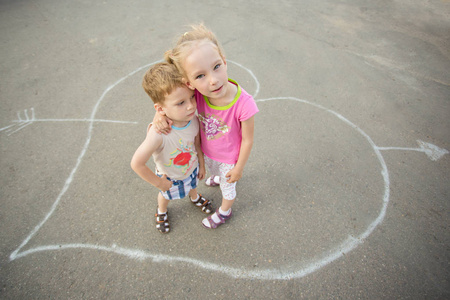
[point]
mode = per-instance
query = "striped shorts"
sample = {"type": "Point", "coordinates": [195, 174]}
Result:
{"type": "Point", "coordinates": [181, 188]}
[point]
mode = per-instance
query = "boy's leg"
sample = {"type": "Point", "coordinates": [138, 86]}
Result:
{"type": "Point", "coordinates": [162, 218]}
{"type": "Point", "coordinates": [162, 203]}
{"type": "Point", "coordinates": [193, 194]}
{"type": "Point", "coordinates": [198, 200]}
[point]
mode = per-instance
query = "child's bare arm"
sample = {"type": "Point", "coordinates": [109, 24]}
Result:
{"type": "Point", "coordinates": [201, 158]}
{"type": "Point", "coordinates": [162, 124]}
{"type": "Point", "coordinates": [142, 155]}
{"type": "Point", "coordinates": [246, 147]}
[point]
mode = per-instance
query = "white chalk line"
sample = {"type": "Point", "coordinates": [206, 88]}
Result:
{"type": "Point", "coordinates": [401, 148]}
{"type": "Point", "coordinates": [22, 123]}
{"type": "Point", "coordinates": [432, 151]}
{"type": "Point", "coordinates": [7, 127]}
{"type": "Point", "coordinates": [251, 74]}
{"type": "Point", "coordinates": [347, 246]}
{"type": "Point", "coordinates": [82, 120]}
{"type": "Point", "coordinates": [74, 170]}
{"type": "Point", "coordinates": [238, 273]}
{"type": "Point", "coordinates": [19, 128]}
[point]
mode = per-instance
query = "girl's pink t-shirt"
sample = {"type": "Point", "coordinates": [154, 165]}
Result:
{"type": "Point", "coordinates": [220, 127]}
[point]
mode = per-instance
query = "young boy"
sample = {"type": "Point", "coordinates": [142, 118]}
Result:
{"type": "Point", "coordinates": [178, 156]}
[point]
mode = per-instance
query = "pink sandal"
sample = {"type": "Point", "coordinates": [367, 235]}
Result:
{"type": "Point", "coordinates": [212, 224]}
{"type": "Point", "coordinates": [213, 181]}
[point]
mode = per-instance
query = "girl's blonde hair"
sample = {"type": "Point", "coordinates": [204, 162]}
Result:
{"type": "Point", "coordinates": [190, 39]}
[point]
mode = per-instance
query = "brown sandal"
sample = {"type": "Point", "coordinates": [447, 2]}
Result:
{"type": "Point", "coordinates": [162, 222]}
{"type": "Point", "coordinates": [204, 204]}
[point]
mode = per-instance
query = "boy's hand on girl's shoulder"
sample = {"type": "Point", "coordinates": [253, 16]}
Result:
{"type": "Point", "coordinates": [165, 184]}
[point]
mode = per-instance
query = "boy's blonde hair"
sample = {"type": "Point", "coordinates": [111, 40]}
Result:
{"type": "Point", "coordinates": [161, 80]}
{"type": "Point", "coordinates": [197, 35]}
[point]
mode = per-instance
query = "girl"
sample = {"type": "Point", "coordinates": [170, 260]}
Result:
{"type": "Point", "coordinates": [226, 113]}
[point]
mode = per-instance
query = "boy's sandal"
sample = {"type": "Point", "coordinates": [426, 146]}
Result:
{"type": "Point", "coordinates": [204, 204]}
{"type": "Point", "coordinates": [212, 224]}
{"type": "Point", "coordinates": [213, 181]}
{"type": "Point", "coordinates": [162, 222]}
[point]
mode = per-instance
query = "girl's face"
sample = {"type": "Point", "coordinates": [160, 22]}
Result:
{"type": "Point", "coordinates": [206, 70]}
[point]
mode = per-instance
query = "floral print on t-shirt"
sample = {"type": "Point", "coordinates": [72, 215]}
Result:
{"type": "Point", "coordinates": [213, 126]}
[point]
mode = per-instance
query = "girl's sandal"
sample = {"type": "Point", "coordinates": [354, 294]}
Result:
{"type": "Point", "coordinates": [205, 205]}
{"type": "Point", "coordinates": [212, 224]}
{"type": "Point", "coordinates": [213, 181]}
{"type": "Point", "coordinates": [162, 222]}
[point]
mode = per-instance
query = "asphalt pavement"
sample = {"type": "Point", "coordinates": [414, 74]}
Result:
{"type": "Point", "coordinates": [345, 195]}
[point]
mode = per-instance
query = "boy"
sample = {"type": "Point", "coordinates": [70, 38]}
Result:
{"type": "Point", "coordinates": [178, 156]}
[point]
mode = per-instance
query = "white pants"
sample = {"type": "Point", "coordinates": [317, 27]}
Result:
{"type": "Point", "coordinates": [221, 169]}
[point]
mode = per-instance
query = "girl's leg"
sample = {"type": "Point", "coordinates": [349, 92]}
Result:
{"type": "Point", "coordinates": [214, 173]}
{"type": "Point", "coordinates": [228, 189]}
{"type": "Point", "coordinates": [226, 204]}
{"type": "Point", "coordinates": [220, 216]}
{"type": "Point", "coordinates": [228, 192]}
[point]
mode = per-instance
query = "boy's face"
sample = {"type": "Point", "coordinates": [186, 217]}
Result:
{"type": "Point", "coordinates": [179, 106]}
{"type": "Point", "coordinates": [206, 70]}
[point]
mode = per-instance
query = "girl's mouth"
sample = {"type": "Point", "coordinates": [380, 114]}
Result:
{"type": "Point", "coordinates": [218, 90]}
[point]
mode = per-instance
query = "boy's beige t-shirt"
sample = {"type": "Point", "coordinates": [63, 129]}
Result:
{"type": "Point", "coordinates": [177, 155]}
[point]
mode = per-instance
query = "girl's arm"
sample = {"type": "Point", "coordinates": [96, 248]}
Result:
{"type": "Point", "coordinates": [246, 147]}
{"type": "Point", "coordinates": [162, 124]}
{"type": "Point", "coordinates": [201, 158]}
{"type": "Point", "coordinates": [143, 154]}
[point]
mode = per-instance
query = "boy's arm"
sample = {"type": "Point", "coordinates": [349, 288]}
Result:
{"type": "Point", "coordinates": [142, 155]}
{"type": "Point", "coordinates": [201, 158]}
{"type": "Point", "coordinates": [162, 124]}
{"type": "Point", "coordinates": [246, 147]}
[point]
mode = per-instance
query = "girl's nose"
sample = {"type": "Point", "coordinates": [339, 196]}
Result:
{"type": "Point", "coordinates": [213, 80]}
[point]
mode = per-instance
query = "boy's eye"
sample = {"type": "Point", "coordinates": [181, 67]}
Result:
{"type": "Point", "coordinates": [216, 66]}
{"type": "Point", "coordinates": [193, 95]}
{"type": "Point", "coordinates": [181, 103]}
{"type": "Point", "coordinates": [199, 76]}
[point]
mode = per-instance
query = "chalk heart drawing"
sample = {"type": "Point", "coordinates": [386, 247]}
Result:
{"type": "Point", "coordinates": [27, 118]}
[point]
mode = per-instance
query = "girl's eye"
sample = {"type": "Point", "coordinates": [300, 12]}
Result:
{"type": "Point", "coordinates": [216, 66]}
{"type": "Point", "coordinates": [199, 76]}
{"type": "Point", "coordinates": [181, 103]}
{"type": "Point", "coordinates": [193, 96]}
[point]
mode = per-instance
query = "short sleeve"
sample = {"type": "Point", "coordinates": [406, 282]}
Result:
{"type": "Point", "coordinates": [248, 109]}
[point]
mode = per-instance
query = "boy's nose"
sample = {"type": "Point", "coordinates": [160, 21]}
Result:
{"type": "Point", "coordinates": [192, 105]}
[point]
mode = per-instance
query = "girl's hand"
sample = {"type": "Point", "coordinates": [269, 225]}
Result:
{"type": "Point", "coordinates": [162, 124]}
{"type": "Point", "coordinates": [165, 184]}
{"type": "Point", "coordinates": [234, 175]}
